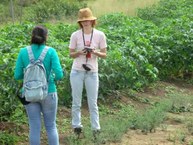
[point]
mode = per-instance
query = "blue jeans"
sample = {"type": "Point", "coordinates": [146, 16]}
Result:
{"type": "Point", "coordinates": [91, 81]}
{"type": "Point", "coordinates": [48, 109]}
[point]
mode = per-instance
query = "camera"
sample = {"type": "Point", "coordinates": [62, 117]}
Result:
{"type": "Point", "coordinates": [86, 67]}
{"type": "Point", "coordinates": [88, 49]}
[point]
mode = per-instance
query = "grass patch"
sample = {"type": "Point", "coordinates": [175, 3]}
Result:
{"type": "Point", "coordinates": [114, 125]}
{"type": "Point", "coordinates": [118, 120]}
{"type": "Point", "coordinates": [7, 138]}
{"type": "Point", "coordinates": [129, 7]}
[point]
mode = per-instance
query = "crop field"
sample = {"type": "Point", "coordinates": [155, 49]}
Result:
{"type": "Point", "coordinates": [146, 81]}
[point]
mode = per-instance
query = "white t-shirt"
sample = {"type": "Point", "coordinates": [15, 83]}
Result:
{"type": "Point", "coordinates": [76, 42]}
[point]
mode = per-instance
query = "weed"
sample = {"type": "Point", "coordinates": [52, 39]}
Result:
{"type": "Point", "coordinates": [189, 126]}
{"type": "Point", "coordinates": [7, 138]}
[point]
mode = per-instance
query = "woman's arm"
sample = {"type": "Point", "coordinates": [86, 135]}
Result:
{"type": "Point", "coordinates": [75, 54]}
{"type": "Point", "coordinates": [18, 72]}
{"type": "Point", "coordinates": [102, 53]}
{"type": "Point", "coordinates": [56, 66]}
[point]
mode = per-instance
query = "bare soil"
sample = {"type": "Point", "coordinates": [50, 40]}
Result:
{"type": "Point", "coordinates": [173, 131]}
{"type": "Point", "coordinates": [167, 134]}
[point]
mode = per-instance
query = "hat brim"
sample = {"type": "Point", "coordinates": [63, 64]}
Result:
{"type": "Point", "coordinates": [86, 19]}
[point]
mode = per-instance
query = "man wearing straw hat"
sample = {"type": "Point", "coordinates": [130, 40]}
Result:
{"type": "Point", "coordinates": [86, 45]}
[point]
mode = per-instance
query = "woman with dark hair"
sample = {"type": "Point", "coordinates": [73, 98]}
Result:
{"type": "Point", "coordinates": [46, 108]}
{"type": "Point", "coordinates": [39, 35]}
{"type": "Point", "coordinates": [86, 45]}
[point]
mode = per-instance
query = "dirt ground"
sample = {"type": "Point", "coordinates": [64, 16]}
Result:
{"type": "Point", "coordinates": [172, 132]}
{"type": "Point", "coordinates": [171, 135]}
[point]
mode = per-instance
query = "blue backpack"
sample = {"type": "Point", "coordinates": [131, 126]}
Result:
{"type": "Point", "coordinates": [35, 84]}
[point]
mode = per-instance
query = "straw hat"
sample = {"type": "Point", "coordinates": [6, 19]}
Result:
{"type": "Point", "coordinates": [85, 14]}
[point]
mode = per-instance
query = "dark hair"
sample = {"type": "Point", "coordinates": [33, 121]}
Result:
{"type": "Point", "coordinates": [39, 35]}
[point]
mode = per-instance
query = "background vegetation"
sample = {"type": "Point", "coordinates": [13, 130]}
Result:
{"type": "Point", "coordinates": [128, 7]}
{"type": "Point", "coordinates": [157, 44]}
{"type": "Point", "coordinates": [39, 11]}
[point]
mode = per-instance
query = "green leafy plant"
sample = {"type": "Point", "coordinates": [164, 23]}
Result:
{"type": "Point", "coordinates": [8, 139]}
{"type": "Point", "coordinates": [141, 50]}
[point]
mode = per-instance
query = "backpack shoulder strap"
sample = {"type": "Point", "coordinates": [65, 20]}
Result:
{"type": "Point", "coordinates": [30, 53]}
{"type": "Point", "coordinates": [43, 54]}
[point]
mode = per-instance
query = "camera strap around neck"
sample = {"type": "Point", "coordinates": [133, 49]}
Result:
{"type": "Point", "coordinates": [84, 40]}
